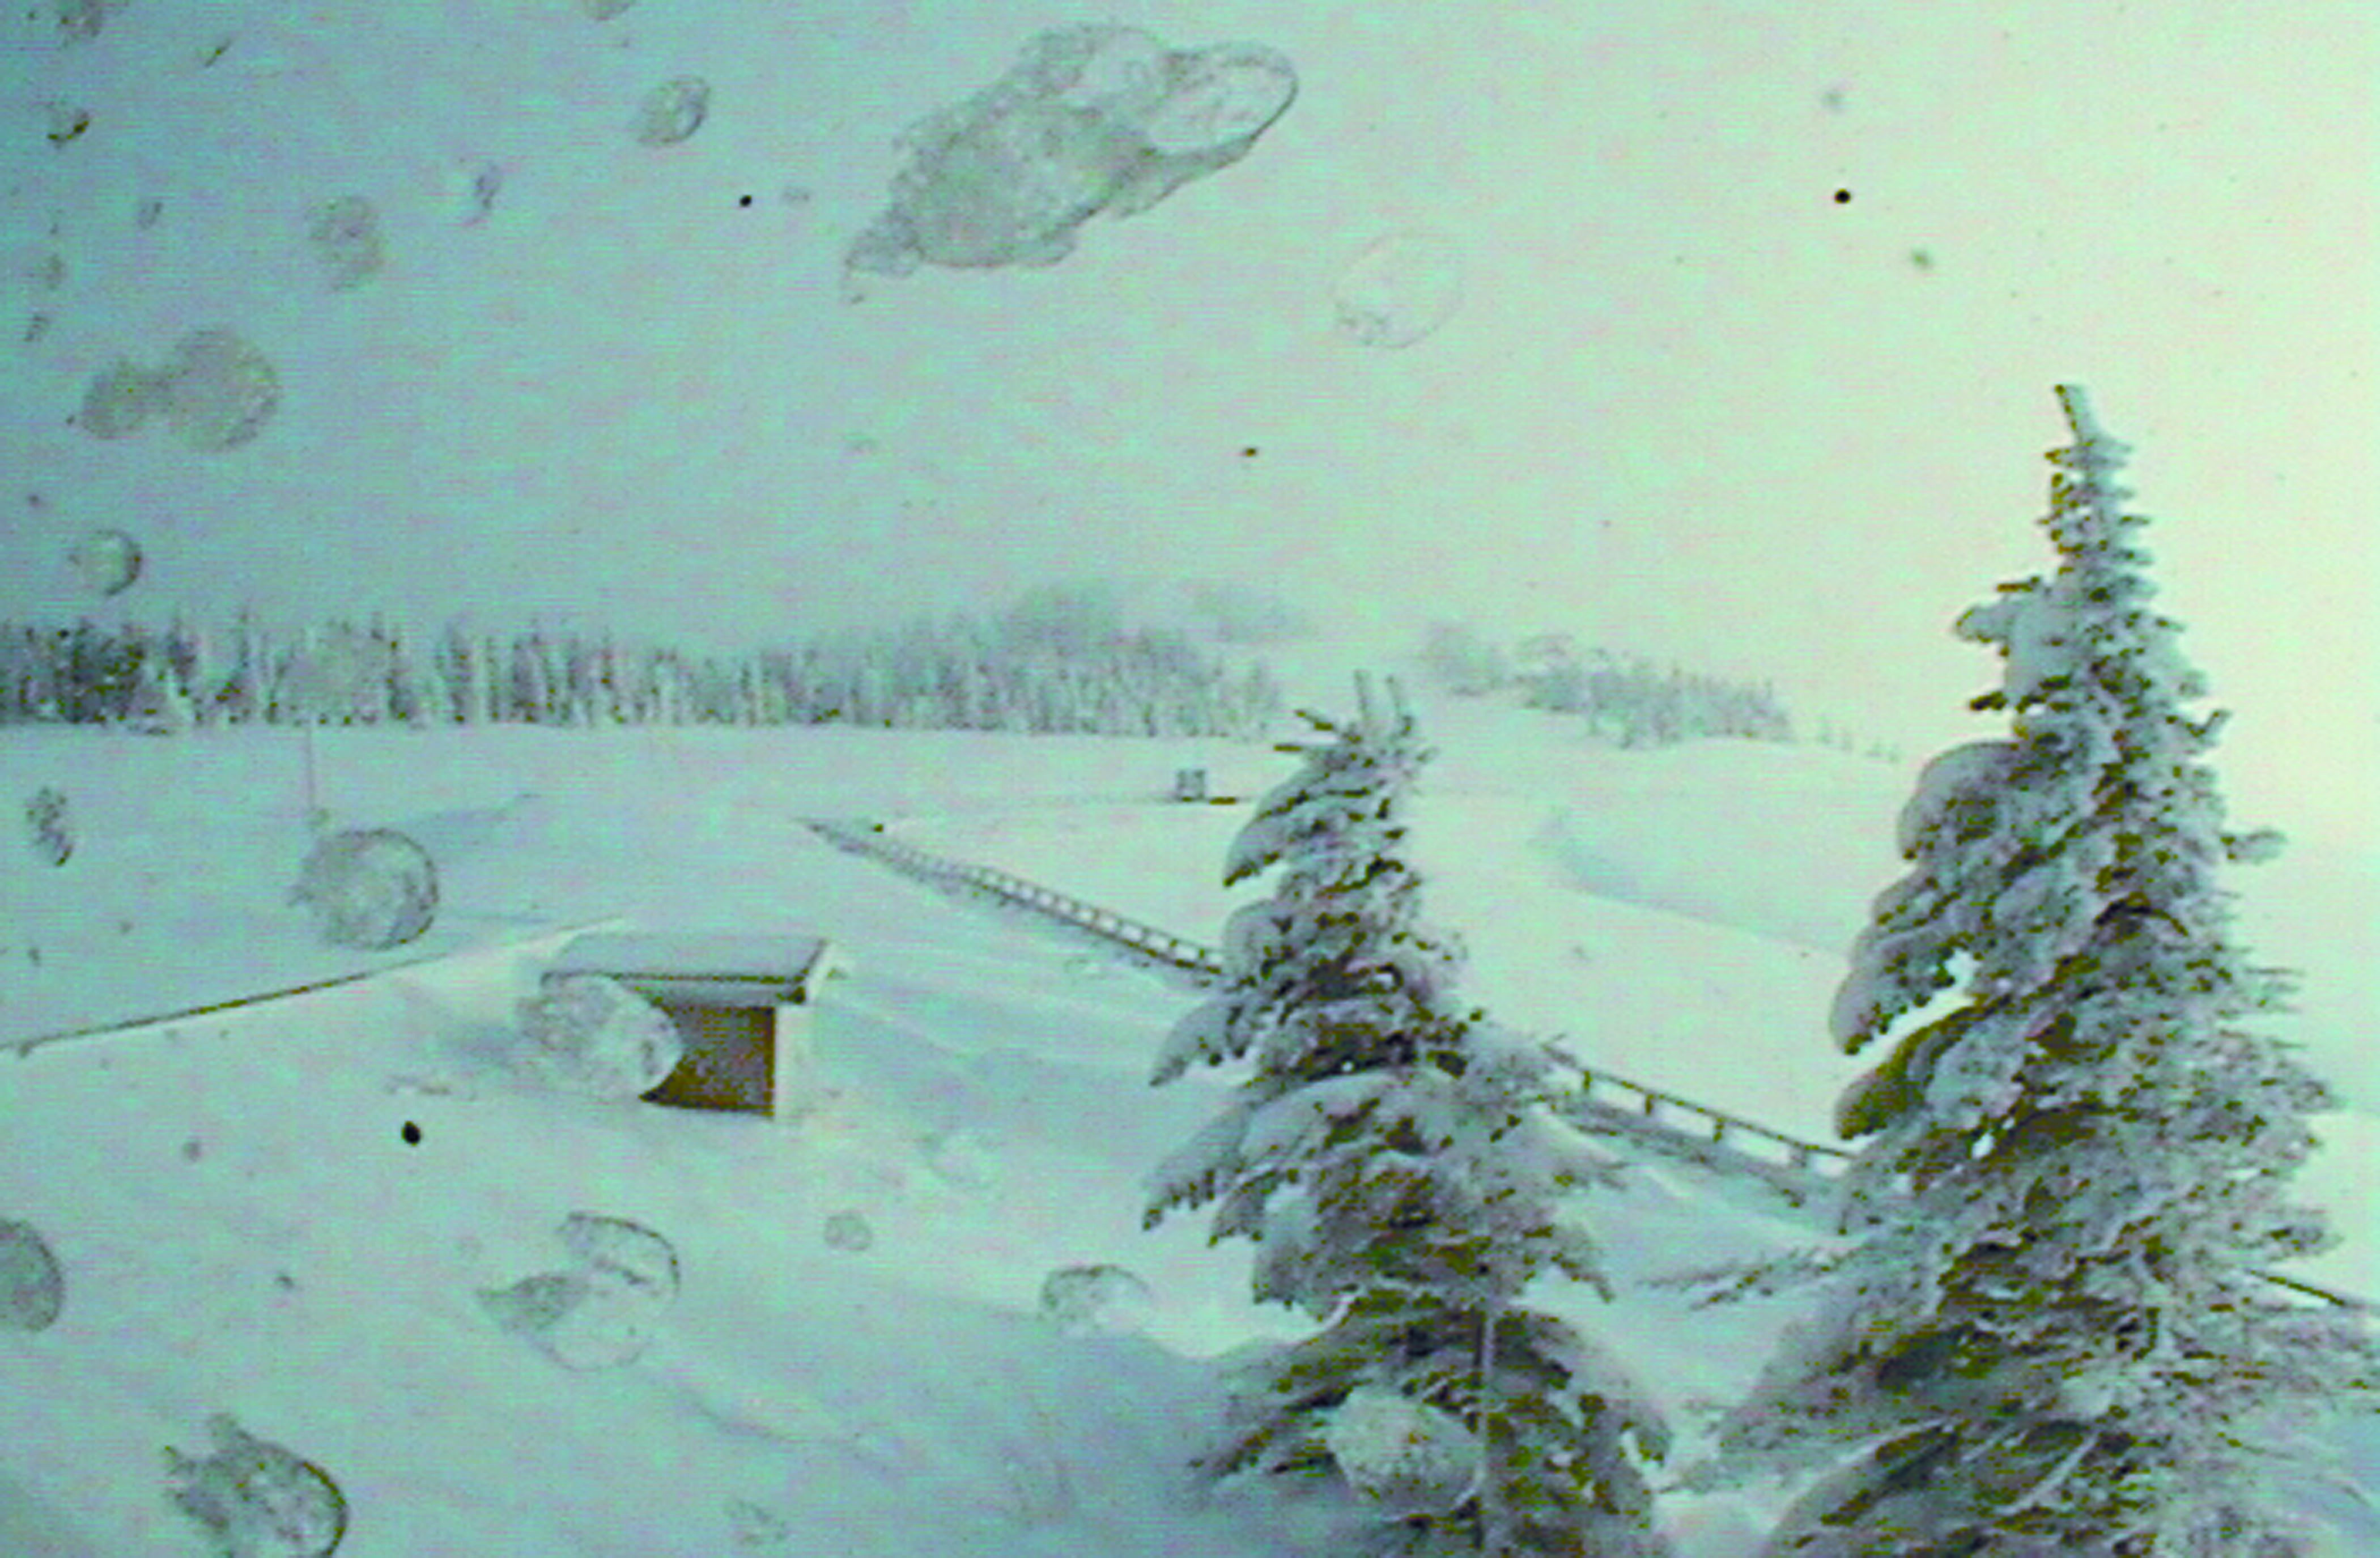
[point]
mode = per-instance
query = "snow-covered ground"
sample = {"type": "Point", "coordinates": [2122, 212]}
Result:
{"type": "Point", "coordinates": [618, 383]}
{"type": "Point", "coordinates": [246, 1229]}
{"type": "Point", "coordinates": [1683, 914]}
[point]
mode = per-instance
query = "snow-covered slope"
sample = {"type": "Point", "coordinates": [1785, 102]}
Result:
{"type": "Point", "coordinates": [246, 1228]}
{"type": "Point", "coordinates": [1683, 914]}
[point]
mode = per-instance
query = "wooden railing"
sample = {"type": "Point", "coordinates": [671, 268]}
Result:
{"type": "Point", "coordinates": [1603, 1101]}
{"type": "Point", "coordinates": [1144, 940]}
{"type": "Point", "coordinates": [1596, 1100]}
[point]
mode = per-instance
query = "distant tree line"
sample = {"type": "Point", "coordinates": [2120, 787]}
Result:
{"type": "Point", "coordinates": [1032, 670]}
{"type": "Point", "coordinates": [1841, 739]}
{"type": "Point", "coordinates": [1630, 701]}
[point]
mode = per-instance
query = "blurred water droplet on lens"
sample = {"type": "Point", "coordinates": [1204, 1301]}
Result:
{"type": "Point", "coordinates": [672, 111]}
{"type": "Point", "coordinates": [106, 561]}
{"type": "Point", "coordinates": [1400, 290]}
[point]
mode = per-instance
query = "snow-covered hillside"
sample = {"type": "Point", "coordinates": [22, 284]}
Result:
{"type": "Point", "coordinates": [856, 1360]}
{"type": "Point", "coordinates": [1683, 913]}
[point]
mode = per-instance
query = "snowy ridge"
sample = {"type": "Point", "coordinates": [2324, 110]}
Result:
{"type": "Point", "coordinates": [1802, 1172]}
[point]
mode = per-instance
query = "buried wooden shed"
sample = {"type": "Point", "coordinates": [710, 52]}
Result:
{"type": "Point", "coordinates": [742, 1004]}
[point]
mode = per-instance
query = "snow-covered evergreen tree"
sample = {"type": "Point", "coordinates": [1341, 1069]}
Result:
{"type": "Point", "coordinates": [492, 681]}
{"type": "Point", "coordinates": [160, 705]}
{"type": "Point", "coordinates": [1461, 658]}
{"type": "Point", "coordinates": [244, 696]}
{"type": "Point", "coordinates": [452, 662]}
{"type": "Point", "coordinates": [1393, 1160]}
{"type": "Point", "coordinates": [412, 698]}
{"type": "Point", "coordinates": [2055, 1340]}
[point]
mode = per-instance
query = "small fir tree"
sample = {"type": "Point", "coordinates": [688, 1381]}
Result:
{"type": "Point", "coordinates": [1393, 1159]}
{"type": "Point", "coordinates": [159, 705]}
{"type": "Point", "coordinates": [2057, 1340]}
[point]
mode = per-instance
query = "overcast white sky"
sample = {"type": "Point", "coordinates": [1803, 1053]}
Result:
{"type": "Point", "coordinates": [1690, 403]}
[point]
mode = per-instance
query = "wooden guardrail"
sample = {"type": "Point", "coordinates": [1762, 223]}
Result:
{"type": "Point", "coordinates": [1602, 1100]}
{"type": "Point", "coordinates": [1133, 935]}
{"type": "Point", "coordinates": [1597, 1101]}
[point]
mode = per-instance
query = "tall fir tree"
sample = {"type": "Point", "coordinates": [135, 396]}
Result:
{"type": "Point", "coordinates": [2055, 1338]}
{"type": "Point", "coordinates": [1393, 1159]}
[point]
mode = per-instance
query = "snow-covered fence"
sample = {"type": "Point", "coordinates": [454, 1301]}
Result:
{"type": "Point", "coordinates": [1133, 935]}
{"type": "Point", "coordinates": [1612, 1104]}
{"type": "Point", "coordinates": [1599, 1101]}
